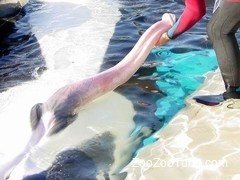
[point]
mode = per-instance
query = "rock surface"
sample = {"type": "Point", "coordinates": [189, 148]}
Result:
{"type": "Point", "coordinates": [10, 7]}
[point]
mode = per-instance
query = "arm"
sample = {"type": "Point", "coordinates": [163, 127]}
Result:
{"type": "Point", "coordinates": [193, 12]}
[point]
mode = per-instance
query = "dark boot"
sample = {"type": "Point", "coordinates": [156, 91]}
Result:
{"type": "Point", "coordinates": [212, 100]}
{"type": "Point", "coordinates": [232, 92]}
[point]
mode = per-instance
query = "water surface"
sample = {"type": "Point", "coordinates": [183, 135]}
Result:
{"type": "Point", "coordinates": [54, 43]}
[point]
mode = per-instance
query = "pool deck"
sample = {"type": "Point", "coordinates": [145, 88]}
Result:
{"type": "Point", "coordinates": [201, 142]}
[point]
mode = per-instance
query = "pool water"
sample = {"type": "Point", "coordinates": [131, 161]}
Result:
{"type": "Point", "coordinates": [53, 43]}
{"type": "Point", "coordinates": [179, 76]}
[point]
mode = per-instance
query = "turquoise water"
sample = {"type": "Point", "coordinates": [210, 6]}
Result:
{"type": "Point", "coordinates": [179, 75]}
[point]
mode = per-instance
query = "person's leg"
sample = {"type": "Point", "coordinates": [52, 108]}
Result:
{"type": "Point", "coordinates": [221, 30]}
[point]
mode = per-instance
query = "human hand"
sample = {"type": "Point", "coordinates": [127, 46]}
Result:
{"type": "Point", "coordinates": [163, 40]}
{"type": "Point", "coordinates": [169, 19]}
